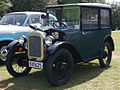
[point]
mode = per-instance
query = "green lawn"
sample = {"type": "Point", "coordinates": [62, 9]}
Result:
{"type": "Point", "coordinates": [85, 76]}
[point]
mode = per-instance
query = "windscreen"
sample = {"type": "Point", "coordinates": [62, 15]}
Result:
{"type": "Point", "coordinates": [54, 18]}
{"type": "Point", "coordinates": [13, 19]}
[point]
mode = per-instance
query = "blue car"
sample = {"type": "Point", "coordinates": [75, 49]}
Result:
{"type": "Point", "coordinates": [15, 24]}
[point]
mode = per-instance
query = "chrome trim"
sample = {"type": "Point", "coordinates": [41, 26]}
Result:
{"type": "Point", "coordinates": [3, 53]}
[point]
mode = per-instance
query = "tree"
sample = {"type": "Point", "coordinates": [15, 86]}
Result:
{"type": "Point", "coordinates": [69, 1]}
{"type": "Point", "coordinates": [79, 1]}
{"type": "Point", "coordinates": [51, 2]}
{"type": "Point", "coordinates": [95, 1]}
{"type": "Point", "coordinates": [115, 15]}
{"type": "Point", "coordinates": [28, 5]}
{"type": "Point", "coordinates": [4, 7]}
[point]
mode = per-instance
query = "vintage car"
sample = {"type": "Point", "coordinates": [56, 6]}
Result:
{"type": "Point", "coordinates": [81, 33]}
{"type": "Point", "coordinates": [16, 24]}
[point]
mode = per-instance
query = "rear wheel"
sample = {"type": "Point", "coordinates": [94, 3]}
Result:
{"type": "Point", "coordinates": [59, 67]}
{"type": "Point", "coordinates": [106, 55]}
{"type": "Point", "coordinates": [16, 63]}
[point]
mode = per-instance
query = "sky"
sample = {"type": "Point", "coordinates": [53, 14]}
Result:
{"type": "Point", "coordinates": [112, 0]}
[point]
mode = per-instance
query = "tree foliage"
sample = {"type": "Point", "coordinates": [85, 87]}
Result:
{"type": "Point", "coordinates": [79, 1]}
{"type": "Point", "coordinates": [95, 1]}
{"type": "Point", "coordinates": [28, 5]}
{"type": "Point", "coordinates": [4, 7]}
{"type": "Point", "coordinates": [115, 15]}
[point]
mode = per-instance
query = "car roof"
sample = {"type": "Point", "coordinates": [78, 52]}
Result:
{"type": "Point", "coordinates": [27, 12]}
{"type": "Point", "coordinates": [81, 4]}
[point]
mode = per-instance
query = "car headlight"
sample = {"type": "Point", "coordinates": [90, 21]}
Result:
{"type": "Point", "coordinates": [49, 40]}
{"type": "Point", "coordinates": [22, 39]}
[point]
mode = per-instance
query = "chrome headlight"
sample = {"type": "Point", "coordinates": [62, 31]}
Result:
{"type": "Point", "coordinates": [49, 40]}
{"type": "Point", "coordinates": [22, 39]}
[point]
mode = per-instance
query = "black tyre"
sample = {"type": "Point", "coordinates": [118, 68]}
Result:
{"type": "Point", "coordinates": [3, 46]}
{"type": "Point", "coordinates": [16, 63]}
{"type": "Point", "coordinates": [59, 67]}
{"type": "Point", "coordinates": [106, 55]}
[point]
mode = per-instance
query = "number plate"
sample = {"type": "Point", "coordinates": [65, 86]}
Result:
{"type": "Point", "coordinates": [37, 65]}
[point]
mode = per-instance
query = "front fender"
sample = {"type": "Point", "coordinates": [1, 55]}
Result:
{"type": "Point", "coordinates": [4, 52]}
{"type": "Point", "coordinates": [57, 45]}
{"type": "Point", "coordinates": [13, 44]}
{"type": "Point", "coordinates": [54, 47]}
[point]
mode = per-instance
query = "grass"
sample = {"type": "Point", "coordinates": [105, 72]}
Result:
{"type": "Point", "coordinates": [85, 76]}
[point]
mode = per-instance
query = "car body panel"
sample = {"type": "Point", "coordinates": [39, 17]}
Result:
{"type": "Point", "coordinates": [10, 32]}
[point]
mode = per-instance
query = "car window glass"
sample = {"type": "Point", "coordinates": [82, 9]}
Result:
{"type": "Point", "coordinates": [54, 17]}
{"type": "Point", "coordinates": [66, 17]}
{"type": "Point", "coordinates": [89, 18]}
{"type": "Point", "coordinates": [105, 18]}
{"type": "Point", "coordinates": [53, 20]}
{"type": "Point", "coordinates": [71, 17]}
{"type": "Point", "coordinates": [13, 19]}
{"type": "Point", "coordinates": [33, 19]}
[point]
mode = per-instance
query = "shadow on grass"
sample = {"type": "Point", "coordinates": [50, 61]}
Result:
{"type": "Point", "coordinates": [1, 65]}
{"type": "Point", "coordinates": [37, 80]}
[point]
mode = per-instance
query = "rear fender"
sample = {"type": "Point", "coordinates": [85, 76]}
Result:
{"type": "Point", "coordinates": [109, 39]}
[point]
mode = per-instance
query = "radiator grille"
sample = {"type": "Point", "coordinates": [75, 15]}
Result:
{"type": "Point", "coordinates": [35, 46]}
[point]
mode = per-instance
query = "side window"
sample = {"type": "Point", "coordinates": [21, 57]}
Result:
{"type": "Point", "coordinates": [71, 17]}
{"type": "Point", "coordinates": [53, 22]}
{"type": "Point", "coordinates": [89, 18]}
{"type": "Point", "coordinates": [52, 19]}
{"type": "Point", "coordinates": [33, 19]}
{"type": "Point", "coordinates": [105, 18]}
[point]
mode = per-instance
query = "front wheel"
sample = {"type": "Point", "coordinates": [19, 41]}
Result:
{"type": "Point", "coordinates": [16, 63]}
{"type": "Point", "coordinates": [106, 55]}
{"type": "Point", "coordinates": [2, 57]}
{"type": "Point", "coordinates": [59, 67]}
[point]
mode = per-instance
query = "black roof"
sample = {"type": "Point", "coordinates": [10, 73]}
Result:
{"type": "Point", "coordinates": [81, 4]}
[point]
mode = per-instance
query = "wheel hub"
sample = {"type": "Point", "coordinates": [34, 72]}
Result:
{"type": "Point", "coordinates": [3, 53]}
{"type": "Point", "coordinates": [21, 61]}
{"type": "Point", "coordinates": [59, 67]}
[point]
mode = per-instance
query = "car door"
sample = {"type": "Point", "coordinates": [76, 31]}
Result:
{"type": "Point", "coordinates": [85, 40]}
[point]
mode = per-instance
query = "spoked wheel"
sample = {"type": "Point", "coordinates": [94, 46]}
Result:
{"type": "Point", "coordinates": [59, 67]}
{"type": "Point", "coordinates": [17, 64]}
{"type": "Point", "coordinates": [106, 55]}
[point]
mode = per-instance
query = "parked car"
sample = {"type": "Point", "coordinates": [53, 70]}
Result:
{"type": "Point", "coordinates": [81, 33]}
{"type": "Point", "coordinates": [15, 24]}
